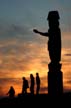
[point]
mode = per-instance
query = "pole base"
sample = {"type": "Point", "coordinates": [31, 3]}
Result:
{"type": "Point", "coordinates": [55, 81]}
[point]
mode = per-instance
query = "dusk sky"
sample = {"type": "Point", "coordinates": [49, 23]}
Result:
{"type": "Point", "coordinates": [23, 52]}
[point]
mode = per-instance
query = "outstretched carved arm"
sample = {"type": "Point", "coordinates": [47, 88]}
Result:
{"type": "Point", "coordinates": [41, 33]}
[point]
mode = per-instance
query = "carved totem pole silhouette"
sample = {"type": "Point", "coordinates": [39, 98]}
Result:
{"type": "Point", "coordinates": [55, 77]}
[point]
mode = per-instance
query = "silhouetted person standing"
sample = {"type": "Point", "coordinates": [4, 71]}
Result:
{"type": "Point", "coordinates": [11, 92]}
{"type": "Point", "coordinates": [25, 85]}
{"type": "Point", "coordinates": [32, 82]}
{"type": "Point", "coordinates": [54, 34]}
{"type": "Point", "coordinates": [37, 83]}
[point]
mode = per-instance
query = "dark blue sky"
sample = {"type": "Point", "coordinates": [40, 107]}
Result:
{"type": "Point", "coordinates": [33, 12]}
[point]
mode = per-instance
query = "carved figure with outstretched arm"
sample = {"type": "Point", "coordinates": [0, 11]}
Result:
{"type": "Point", "coordinates": [54, 36]}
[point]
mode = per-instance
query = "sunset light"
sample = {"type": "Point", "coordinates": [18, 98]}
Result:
{"type": "Point", "coordinates": [22, 52]}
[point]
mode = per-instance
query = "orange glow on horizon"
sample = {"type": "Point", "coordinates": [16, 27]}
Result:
{"type": "Point", "coordinates": [17, 66]}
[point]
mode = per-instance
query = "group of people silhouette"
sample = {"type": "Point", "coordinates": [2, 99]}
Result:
{"type": "Point", "coordinates": [26, 85]}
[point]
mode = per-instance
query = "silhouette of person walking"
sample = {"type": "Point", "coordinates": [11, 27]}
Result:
{"type": "Point", "coordinates": [25, 85]}
{"type": "Point", "coordinates": [11, 92]}
{"type": "Point", "coordinates": [32, 82]}
{"type": "Point", "coordinates": [54, 34]}
{"type": "Point", "coordinates": [37, 83]}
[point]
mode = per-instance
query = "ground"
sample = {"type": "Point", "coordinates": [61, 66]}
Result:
{"type": "Point", "coordinates": [36, 100]}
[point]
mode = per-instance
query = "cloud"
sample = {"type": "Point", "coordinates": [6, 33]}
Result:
{"type": "Point", "coordinates": [20, 56]}
{"type": "Point", "coordinates": [1, 92]}
{"type": "Point", "coordinates": [44, 90]}
{"type": "Point", "coordinates": [13, 31]}
{"type": "Point", "coordinates": [67, 54]}
{"type": "Point", "coordinates": [66, 40]}
{"type": "Point", "coordinates": [18, 47]}
{"type": "Point", "coordinates": [66, 35]}
{"type": "Point", "coordinates": [19, 29]}
{"type": "Point", "coordinates": [69, 81]}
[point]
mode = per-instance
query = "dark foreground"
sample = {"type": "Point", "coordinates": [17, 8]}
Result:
{"type": "Point", "coordinates": [36, 100]}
